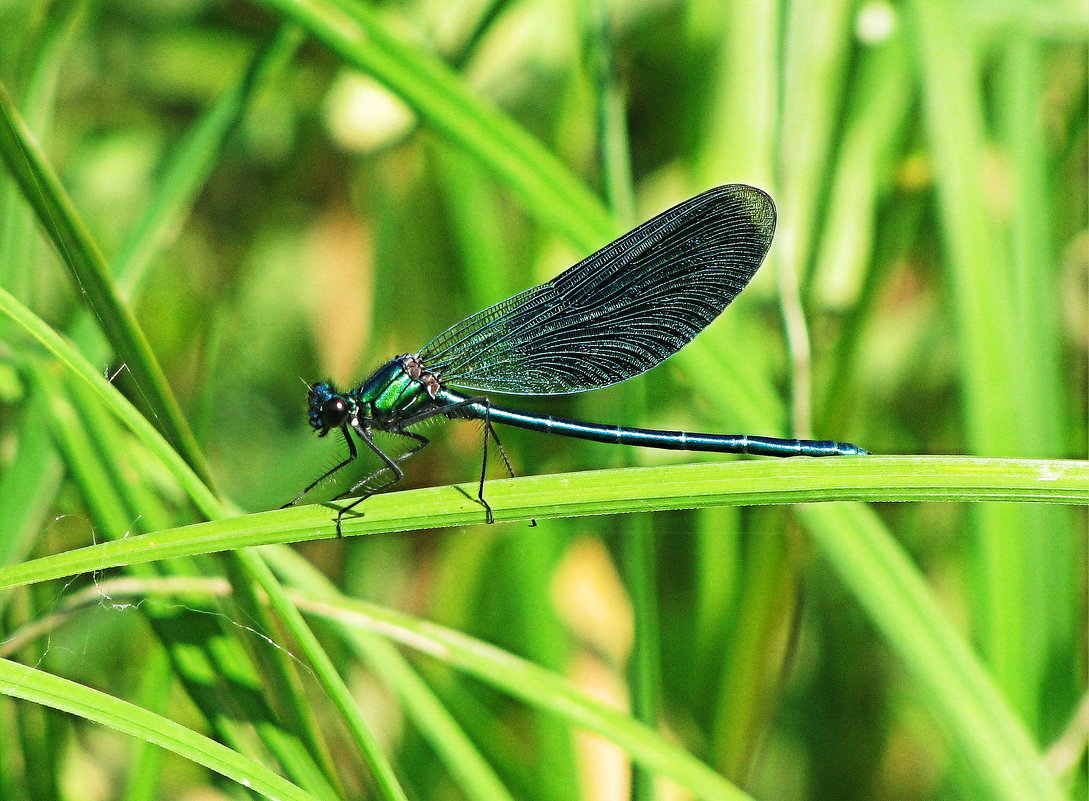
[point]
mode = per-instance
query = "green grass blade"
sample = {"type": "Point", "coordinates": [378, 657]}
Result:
{"type": "Point", "coordinates": [950, 680]}
{"type": "Point", "coordinates": [534, 685]}
{"type": "Point", "coordinates": [36, 466]}
{"type": "Point", "coordinates": [863, 175]}
{"type": "Point", "coordinates": [36, 94]}
{"type": "Point", "coordinates": [436, 723]}
{"type": "Point", "coordinates": [510, 674]}
{"type": "Point", "coordinates": [548, 189]}
{"type": "Point", "coordinates": [1000, 364]}
{"type": "Point", "coordinates": [953, 115]}
{"type": "Point", "coordinates": [200, 494]}
{"type": "Point", "coordinates": [327, 675]}
{"type": "Point", "coordinates": [40, 735]}
{"type": "Point", "coordinates": [146, 762]}
{"type": "Point", "coordinates": [1050, 589]}
{"type": "Point", "coordinates": [75, 441]}
{"type": "Point", "coordinates": [186, 172]}
{"type": "Point", "coordinates": [74, 361]}
{"type": "Point", "coordinates": [209, 655]}
{"type": "Point", "coordinates": [640, 489]}
{"type": "Point", "coordinates": [759, 639]}
{"type": "Point", "coordinates": [280, 674]}
{"type": "Point", "coordinates": [426, 711]}
{"type": "Point", "coordinates": [29, 480]}
{"type": "Point", "coordinates": [27, 486]}
{"type": "Point", "coordinates": [814, 59]}
{"type": "Point", "coordinates": [90, 276]}
{"type": "Point", "coordinates": [39, 687]}
{"type": "Point", "coordinates": [737, 142]}
{"type": "Point", "coordinates": [194, 158]}
{"type": "Point", "coordinates": [94, 459]}
{"type": "Point", "coordinates": [814, 66]}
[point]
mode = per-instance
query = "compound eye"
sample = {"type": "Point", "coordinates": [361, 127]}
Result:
{"type": "Point", "coordinates": [333, 412]}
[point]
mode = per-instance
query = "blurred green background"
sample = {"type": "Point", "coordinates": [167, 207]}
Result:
{"type": "Point", "coordinates": [281, 203]}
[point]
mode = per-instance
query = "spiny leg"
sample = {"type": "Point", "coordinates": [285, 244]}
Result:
{"type": "Point", "coordinates": [390, 465]}
{"type": "Point", "coordinates": [451, 410]}
{"type": "Point", "coordinates": [424, 441]}
{"type": "Point", "coordinates": [489, 517]}
{"type": "Point", "coordinates": [352, 454]}
{"type": "Point", "coordinates": [502, 450]}
{"type": "Point", "coordinates": [490, 429]}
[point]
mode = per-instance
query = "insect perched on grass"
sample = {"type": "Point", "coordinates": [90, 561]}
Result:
{"type": "Point", "coordinates": [614, 315]}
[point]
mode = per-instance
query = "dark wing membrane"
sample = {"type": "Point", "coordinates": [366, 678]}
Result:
{"type": "Point", "coordinates": [618, 312]}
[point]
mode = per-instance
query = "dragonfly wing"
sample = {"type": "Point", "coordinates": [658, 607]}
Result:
{"type": "Point", "coordinates": [618, 312]}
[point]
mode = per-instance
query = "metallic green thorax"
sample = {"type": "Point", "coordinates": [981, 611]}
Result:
{"type": "Point", "coordinates": [396, 393]}
{"type": "Point", "coordinates": [390, 392]}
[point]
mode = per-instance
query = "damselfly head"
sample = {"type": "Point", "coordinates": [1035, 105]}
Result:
{"type": "Point", "coordinates": [328, 408]}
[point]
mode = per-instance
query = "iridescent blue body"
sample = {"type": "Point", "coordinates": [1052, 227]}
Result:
{"type": "Point", "coordinates": [613, 315]}
{"type": "Point", "coordinates": [391, 396]}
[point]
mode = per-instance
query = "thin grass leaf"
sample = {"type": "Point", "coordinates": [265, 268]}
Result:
{"type": "Point", "coordinates": [997, 368]}
{"type": "Point", "coordinates": [737, 140]}
{"type": "Point", "coordinates": [146, 760]}
{"type": "Point", "coordinates": [30, 480]}
{"type": "Point", "coordinates": [40, 735]}
{"type": "Point", "coordinates": [195, 158]}
{"type": "Point", "coordinates": [759, 643]}
{"type": "Point", "coordinates": [549, 190]}
{"type": "Point", "coordinates": [279, 671]}
{"type": "Point", "coordinates": [327, 676]}
{"type": "Point", "coordinates": [39, 70]}
{"type": "Point", "coordinates": [28, 486]}
{"type": "Point", "coordinates": [814, 58]}
{"type": "Point", "coordinates": [950, 681]}
{"type": "Point", "coordinates": [640, 489]}
{"type": "Point", "coordinates": [99, 485]}
{"type": "Point", "coordinates": [90, 276]}
{"type": "Point", "coordinates": [427, 712]}
{"type": "Point", "coordinates": [200, 494]}
{"type": "Point", "coordinates": [532, 684]}
{"type": "Point", "coordinates": [95, 460]}
{"type": "Point", "coordinates": [435, 722]}
{"type": "Point", "coordinates": [720, 556]}
{"type": "Point", "coordinates": [980, 297]}
{"type": "Point", "coordinates": [39, 687]}
{"type": "Point", "coordinates": [129, 416]}
{"type": "Point", "coordinates": [209, 656]}
{"type": "Point", "coordinates": [35, 465]}
{"type": "Point", "coordinates": [1051, 586]}
{"type": "Point", "coordinates": [878, 109]}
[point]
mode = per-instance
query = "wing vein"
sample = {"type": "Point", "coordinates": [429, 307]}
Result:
{"type": "Point", "coordinates": [618, 312]}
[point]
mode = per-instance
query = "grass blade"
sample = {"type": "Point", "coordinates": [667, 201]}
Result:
{"type": "Point", "coordinates": [90, 276]}
{"type": "Point", "coordinates": [74, 361]}
{"type": "Point", "coordinates": [499, 145]}
{"type": "Point", "coordinates": [950, 680]}
{"type": "Point", "coordinates": [39, 687]}
{"type": "Point", "coordinates": [640, 489]}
